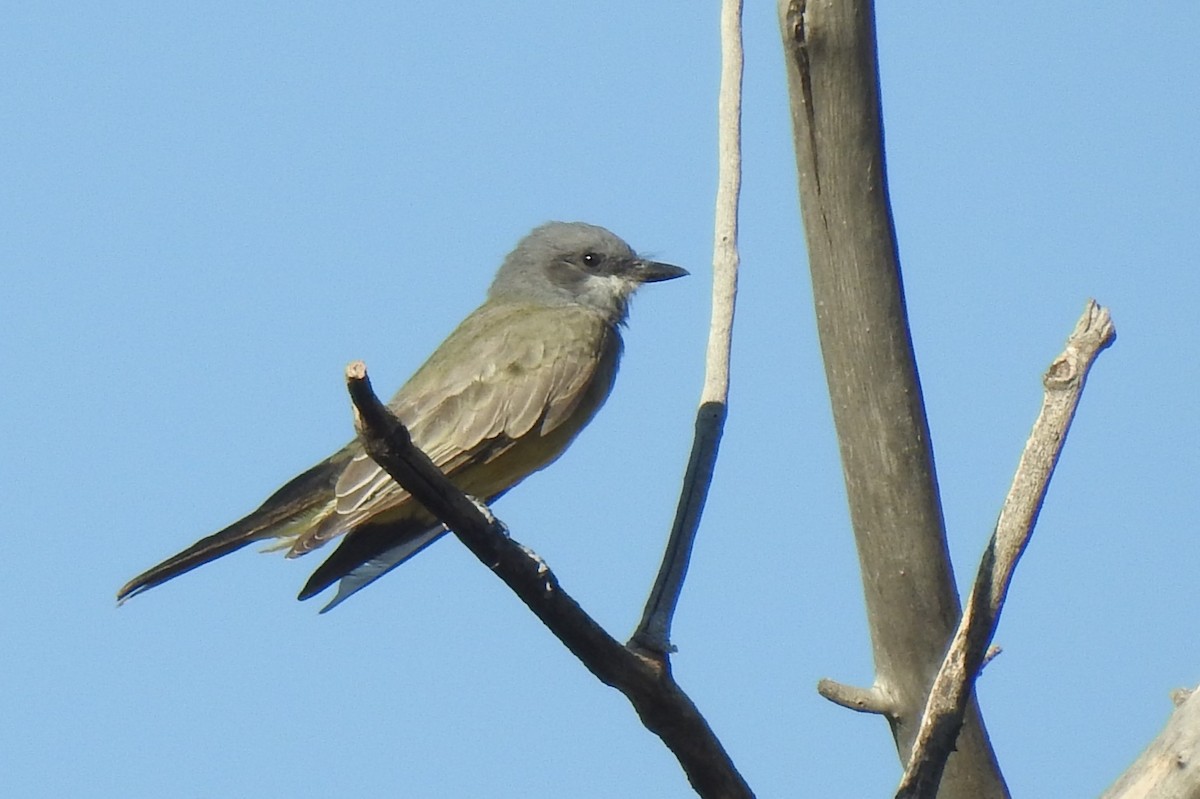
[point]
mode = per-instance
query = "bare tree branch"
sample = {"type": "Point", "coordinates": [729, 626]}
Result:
{"type": "Point", "coordinates": [654, 631]}
{"type": "Point", "coordinates": [1064, 382]}
{"type": "Point", "coordinates": [908, 583]}
{"type": "Point", "coordinates": [851, 697]}
{"type": "Point", "coordinates": [1168, 769]}
{"type": "Point", "coordinates": [644, 678]}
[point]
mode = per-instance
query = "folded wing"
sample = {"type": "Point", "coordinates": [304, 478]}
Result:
{"type": "Point", "coordinates": [501, 398]}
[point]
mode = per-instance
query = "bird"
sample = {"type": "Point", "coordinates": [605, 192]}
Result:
{"type": "Point", "coordinates": [500, 398]}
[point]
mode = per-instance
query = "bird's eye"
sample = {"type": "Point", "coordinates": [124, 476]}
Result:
{"type": "Point", "coordinates": [591, 260]}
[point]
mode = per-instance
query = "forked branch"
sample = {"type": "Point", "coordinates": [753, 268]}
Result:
{"type": "Point", "coordinates": [644, 678]}
{"type": "Point", "coordinates": [1064, 382]}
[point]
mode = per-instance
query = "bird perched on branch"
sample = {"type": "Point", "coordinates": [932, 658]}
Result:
{"type": "Point", "coordinates": [499, 399]}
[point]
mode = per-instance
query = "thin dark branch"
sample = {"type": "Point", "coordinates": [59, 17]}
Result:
{"type": "Point", "coordinates": [1064, 382]}
{"type": "Point", "coordinates": [654, 631]}
{"type": "Point", "coordinates": [644, 678]}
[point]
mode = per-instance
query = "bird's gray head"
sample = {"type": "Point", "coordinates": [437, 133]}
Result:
{"type": "Point", "coordinates": [573, 263]}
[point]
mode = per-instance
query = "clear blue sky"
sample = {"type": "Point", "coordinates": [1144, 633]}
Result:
{"type": "Point", "coordinates": [208, 211]}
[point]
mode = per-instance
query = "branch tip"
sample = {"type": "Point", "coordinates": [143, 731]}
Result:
{"type": "Point", "coordinates": [970, 649]}
{"type": "Point", "coordinates": [861, 700]}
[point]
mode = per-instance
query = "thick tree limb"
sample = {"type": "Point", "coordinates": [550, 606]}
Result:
{"type": "Point", "coordinates": [654, 631]}
{"type": "Point", "coordinates": [1170, 767]}
{"type": "Point", "coordinates": [645, 678]}
{"type": "Point", "coordinates": [887, 460]}
{"type": "Point", "coordinates": [952, 687]}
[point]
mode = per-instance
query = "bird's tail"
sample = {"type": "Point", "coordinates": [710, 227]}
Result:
{"type": "Point", "coordinates": [370, 552]}
{"type": "Point", "coordinates": [293, 509]}
{"type": "Point", "coordinates": [370, 570]}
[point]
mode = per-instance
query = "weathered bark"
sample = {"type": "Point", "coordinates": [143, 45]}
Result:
{"type": "Point", "coordinates": [1170, 766]}
{"type": "Point", "coordinates": [912, 603]}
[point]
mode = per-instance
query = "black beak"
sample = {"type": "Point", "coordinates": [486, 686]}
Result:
{"type": "Point", "coordinates": [653, 271]}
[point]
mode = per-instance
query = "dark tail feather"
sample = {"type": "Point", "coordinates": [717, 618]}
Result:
{"type": "Point", "coordinates": [368, 572]}
{"type": "Point", "coordinates": [234, 537]}
{"type": "Point", "coordinates": [305, 494]}
{"type": "Point", "coordinates": [358, 547]}
{"type": "Point", "coordinates": [370, 551]}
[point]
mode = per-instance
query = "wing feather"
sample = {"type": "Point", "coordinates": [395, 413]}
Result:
{"type": "Point", "coordinates": [483, 391]}
{"type": "Point", "coordinates": [526, 403]}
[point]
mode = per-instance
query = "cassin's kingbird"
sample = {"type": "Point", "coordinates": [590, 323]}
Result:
{"type": "Point", "coordinates": [501, 398]}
